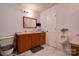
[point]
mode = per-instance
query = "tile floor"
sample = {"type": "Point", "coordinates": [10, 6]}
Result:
{"type": "Point", "coordinates": [47, 51]}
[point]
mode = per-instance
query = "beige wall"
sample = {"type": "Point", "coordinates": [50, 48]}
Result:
{"type": "Point", "coordinates": [11, 20]}
{"type": "Point", "coordinates": [68, 17]}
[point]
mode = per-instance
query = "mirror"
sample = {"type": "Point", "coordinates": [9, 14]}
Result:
{"type": "Point", "coordinates": [29, 22]}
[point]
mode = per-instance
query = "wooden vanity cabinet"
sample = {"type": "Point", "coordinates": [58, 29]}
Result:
{"type": "Point", "coordinates": [25, 42]}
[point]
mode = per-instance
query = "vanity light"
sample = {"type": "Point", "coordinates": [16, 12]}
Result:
{"type": "Point", "coordinates": [25, 12]}
{"type": "Point", "coordinates": [28, 13]}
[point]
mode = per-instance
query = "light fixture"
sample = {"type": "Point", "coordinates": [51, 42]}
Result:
{"type": "Point", "coordinates": [28, 12]}
{"type": "Point", "coordinates": [25, 12]}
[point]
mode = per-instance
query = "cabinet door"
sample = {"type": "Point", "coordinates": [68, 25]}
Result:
{"type": "Point", "coordinates": [74, 50]}
{"type": "Point", "coordinates": [42, 38]}
{"type": "Point", "coordinates": [34, 40]}
{"type": "Point", "coordinates": [24, 43]}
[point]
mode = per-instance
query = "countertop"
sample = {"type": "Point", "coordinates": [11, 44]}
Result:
{"type": "Point", "coordinates": [75, 40]}
{"type": "Point", "coordinates": [20, 33]}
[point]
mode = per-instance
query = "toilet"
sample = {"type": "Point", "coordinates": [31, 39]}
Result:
{"type": "Point", "coordinates": [6, 53]}
{"type": "Point", "coordinates": [7, 50]}
{"type": "Point", "coordinates": [6, 45]}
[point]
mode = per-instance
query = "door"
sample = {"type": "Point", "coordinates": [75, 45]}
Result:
{"type": "Point", "coordinates": [51, 28]}
{"type": "Point", "coordinates": [48, 21]}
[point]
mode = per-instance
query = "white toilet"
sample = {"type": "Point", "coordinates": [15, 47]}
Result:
{"type": "Point", "coordinates": [7, 52]}
{"type": "Point", "coordinates": [7, 45]}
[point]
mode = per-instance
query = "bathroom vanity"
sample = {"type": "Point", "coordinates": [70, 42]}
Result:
{"type": "Point", "coordinates": [28, 40]}
{"type": "Point", "coordinates": [75, 46]}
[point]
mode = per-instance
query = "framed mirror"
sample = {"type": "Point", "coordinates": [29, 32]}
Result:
{"type": "Point", "coordinates": [29, 22]}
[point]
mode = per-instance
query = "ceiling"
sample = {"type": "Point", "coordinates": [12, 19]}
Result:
{"type": "Point", "coordinates": [39, 7]}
